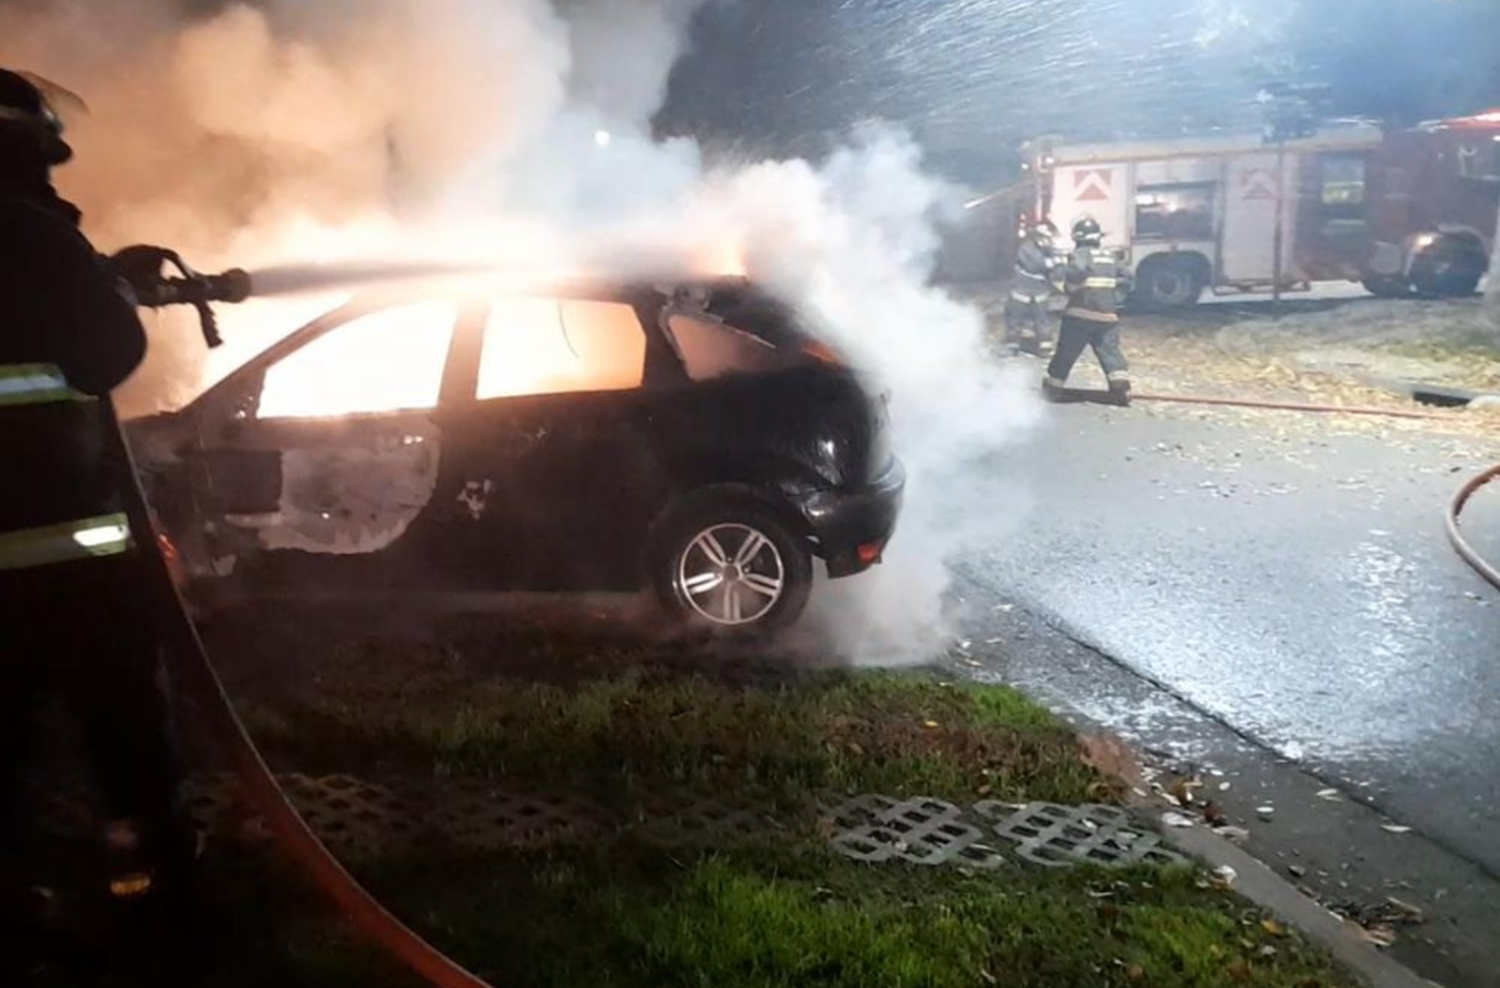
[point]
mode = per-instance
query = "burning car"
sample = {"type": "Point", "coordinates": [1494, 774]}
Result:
{"type": "Point", "coordinates": [691, 439]}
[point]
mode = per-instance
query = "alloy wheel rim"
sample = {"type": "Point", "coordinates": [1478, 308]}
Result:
{"type": "Point", "coordinates": [731, 574]}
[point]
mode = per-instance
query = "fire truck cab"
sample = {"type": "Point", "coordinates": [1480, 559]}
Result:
{"type": "Point", "coordinates": [1401, 212]}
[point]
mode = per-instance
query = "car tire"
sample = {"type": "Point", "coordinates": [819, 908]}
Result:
{"type": "Point", "coordinates": [1163, 285]}
{"type": "Point", "coordinates": [1449, 268]}
{"type": "Point", "coordinates": [730, 565]}
{"type": "Point", "coordinates": [1387, 285]}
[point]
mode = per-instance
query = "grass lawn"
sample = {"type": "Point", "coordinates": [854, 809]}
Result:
{"type": "Point", "coordinates": [636, 729]}
{"type": "Point", "coordinates": [769, 909]}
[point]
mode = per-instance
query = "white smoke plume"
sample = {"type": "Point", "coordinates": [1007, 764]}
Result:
{"type": "Point", "coordinates": [283, 131]}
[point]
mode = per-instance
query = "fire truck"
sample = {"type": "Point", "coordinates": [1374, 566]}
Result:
{"type": "Point", "coordinates": [1403, 212]}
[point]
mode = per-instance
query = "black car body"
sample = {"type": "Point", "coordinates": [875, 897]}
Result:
{"type": "Point", "coordinates": [686, 437]}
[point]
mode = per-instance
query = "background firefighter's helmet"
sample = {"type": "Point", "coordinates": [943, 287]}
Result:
{"type": "Point", "coordinates": [1087, 232]}
{"type": "Point", "coordinates": [1044, 232]}
{"type": "Point", "coordinates": [30, 129]}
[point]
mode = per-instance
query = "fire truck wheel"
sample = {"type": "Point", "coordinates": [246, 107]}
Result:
{"type": "Point", "coordinates": [1451, 267]}
{"type": "Point", "coordinates": [1169, 283]}
{"type": "Point", "coordinates": [1387, 286]}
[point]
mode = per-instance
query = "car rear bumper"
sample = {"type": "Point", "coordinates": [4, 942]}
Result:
{"type": "Point", "coordinates": [853, 525]}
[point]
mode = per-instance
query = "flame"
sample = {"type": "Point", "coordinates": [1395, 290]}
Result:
{"type": "Point", "coordinates": [397, 358]}
{"type": "Point", "coordinates": [722, 258]}
{"type": "Point", "coordinates": [384, 361]}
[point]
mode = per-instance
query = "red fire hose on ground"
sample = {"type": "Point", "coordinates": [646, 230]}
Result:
{"type": "Point", "coordinates": [1460, 544]}
{"type": "Point", "coordinates": [193, 673]}
{"type": "Point", "coordinates": [1455, 508]}
{"type": "Point", "coordinates": [1287, 406]}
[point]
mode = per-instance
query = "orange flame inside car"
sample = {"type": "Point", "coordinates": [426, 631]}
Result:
{"type": "Point", "coordinates": [395, 358]}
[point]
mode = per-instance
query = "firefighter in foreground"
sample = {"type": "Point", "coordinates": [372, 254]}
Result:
{"type": "Point", "coordinates": [1027, 320]}
{"type": "Point", "coordinates": [74, 621]}
{"type": "Point", "coordinates": [1096, 284]}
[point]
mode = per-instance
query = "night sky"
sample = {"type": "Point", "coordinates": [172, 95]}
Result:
{"type": "Point", "coordinates": [973, 78]}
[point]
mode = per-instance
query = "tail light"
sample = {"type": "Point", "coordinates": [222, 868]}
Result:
{"type": "Point", "coordinates": [823, 353]}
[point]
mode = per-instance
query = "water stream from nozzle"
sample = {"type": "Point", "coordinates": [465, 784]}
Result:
{"type": "Point", "coordinates": [292, 279]}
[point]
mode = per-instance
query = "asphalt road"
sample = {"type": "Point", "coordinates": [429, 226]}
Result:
{"type": "Point", "coordinates": [1288, 575]}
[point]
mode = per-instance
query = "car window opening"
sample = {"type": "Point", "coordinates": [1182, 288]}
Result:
{"type": "Point", "coordinates": [710, 349]}
{"type": "Point", "coordinates": [390, 360]}
{"type": "Point", "coordinates": [731, 332]}
{"type": "Point", "coordinates": [536, 346]}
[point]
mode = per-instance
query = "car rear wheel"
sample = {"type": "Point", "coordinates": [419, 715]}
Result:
{"type": "Point", "coordinates": [732, 566]}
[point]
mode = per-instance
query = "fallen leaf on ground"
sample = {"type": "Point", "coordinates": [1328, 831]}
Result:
{"type": "Point", "coordinates": [1171, 819]}
{"type": "Point", "coordinates": [1332, 795]}
{"type": "Point", "coordinates": [1409, 913]}
{"type": "Point", "coordinates": [1272, 927]}
{"type": "Point", "coordinates": [1395, 828]}
{"type": "Point", "coordinates": [1183, 789]}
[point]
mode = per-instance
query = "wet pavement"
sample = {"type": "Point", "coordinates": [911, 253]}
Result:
{"type": "Point", "coordinates": [1287, 576]}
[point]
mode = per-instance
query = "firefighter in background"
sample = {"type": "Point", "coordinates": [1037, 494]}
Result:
{"type": "Point", "coordinates": [1096, 284]}
{"type": "Point", "coordinates": [1027, 321]}
{"type": "Point", "coordinates": [74, 621]}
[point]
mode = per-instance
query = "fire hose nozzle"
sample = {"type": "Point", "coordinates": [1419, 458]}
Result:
{"type": "Point", "coordinates": [233, 285]}
{"type": "Point", "coordinates": [140, 267]}
{"type": "Point", "coordinates": [227, 286]}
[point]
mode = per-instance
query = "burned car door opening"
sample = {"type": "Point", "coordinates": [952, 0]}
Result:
{"type": "Point", "coordinates": [692, 440]}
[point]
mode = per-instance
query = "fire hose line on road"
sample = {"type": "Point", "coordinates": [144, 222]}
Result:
{"type": "Point", "coordinates": [1455, 509]}
{"type": "Point", "coordinates": [1288, 406]}
{"type": "Point", "coordinates": [1461, 545]}
{"type": "Point", "coordinates": [194, 674]}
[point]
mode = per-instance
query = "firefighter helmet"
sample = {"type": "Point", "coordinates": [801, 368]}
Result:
{"type": "Point", "coordinates": [1044, 233]}
{"type": "Point", "coordinates": [1088, 233]}
{"type": "Point", "coordinates": [30, 129]}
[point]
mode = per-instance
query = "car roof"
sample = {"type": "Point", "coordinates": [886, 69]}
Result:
{"type": "Point", "coordinates": [736, 289]}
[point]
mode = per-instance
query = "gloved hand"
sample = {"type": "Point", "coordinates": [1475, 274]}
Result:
{"type": "Point", "coordinates": [139, 266]}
